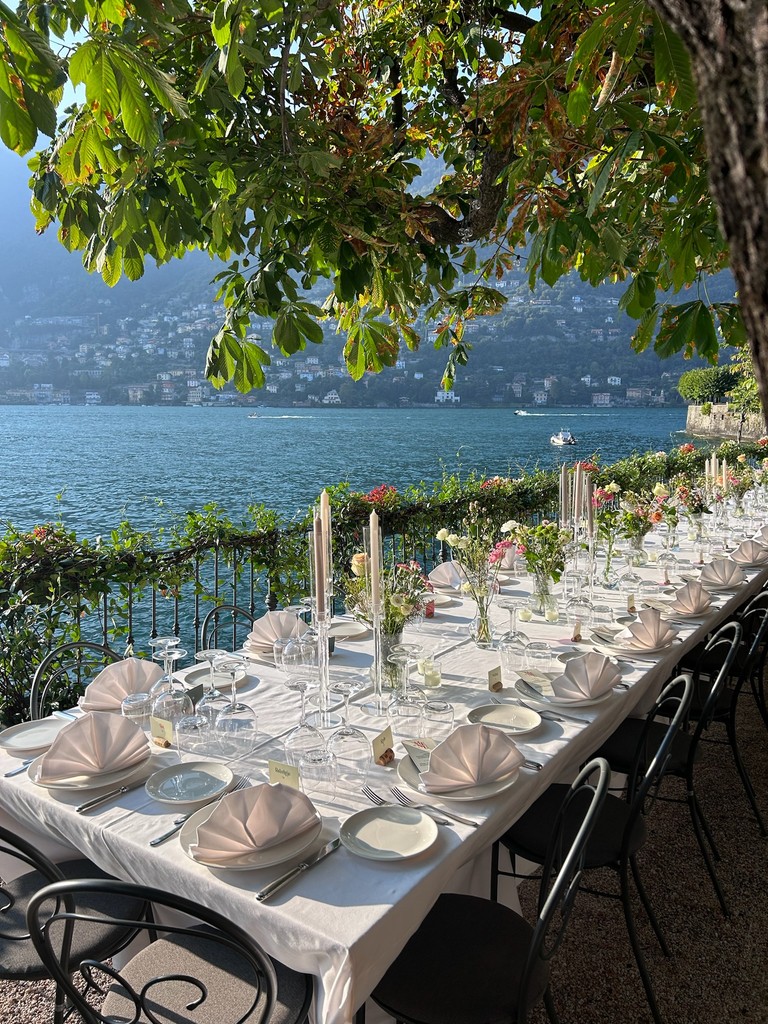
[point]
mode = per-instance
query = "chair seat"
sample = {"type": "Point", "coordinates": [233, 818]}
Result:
{"type": "Point", "coordinates": [19, 960]}
{"type": "Point", "coordinates": [620, 747]}
{"type": "Point", "coordinates": [227, 976]}
{"type": "Point", "coordinates": [529, 836]}
{"type": "Point", "coordinates": [462, 966]}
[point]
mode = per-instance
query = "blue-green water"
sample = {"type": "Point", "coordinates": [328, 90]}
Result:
{"type": "Point", "coordinates": [93, 467]}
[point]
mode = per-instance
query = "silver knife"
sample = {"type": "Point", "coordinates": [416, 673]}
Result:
{"type": "Point", "coordinates": [271, 889]}
{"type": "Point", "coordinates": [97, 800]}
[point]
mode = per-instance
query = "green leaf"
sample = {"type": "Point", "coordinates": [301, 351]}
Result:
{"type": "Point", "coordinates": [138, 120]}
{"type": "Point", "coordinates": [82, 60]}
{"type": "Point", "coordinates": [673, 64]}
{"type": "Point", "coordinates": [640, 295]}
{"type": "Point", "coordinates": [101, 89]}
{"type": "Point", "coordinates": [493, 48]}
{"type": "Point", "coordinates": [41, 110]}
{"type": "Point", "coordinates": [579, 103]}
{"type": "Point", "coordinates": [687, 327]}
{"type": "Point", "coordinates": [286, 332]}
{"type": "Point", "coordinates": [17, 129]}
{"type": "Point", "coordinates": [643, 336]}
{"type": "Point", "coordinates": [731, 323]}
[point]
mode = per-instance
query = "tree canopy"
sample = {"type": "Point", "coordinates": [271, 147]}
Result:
{"type": "Point", "coordinates": [707, 385]}
{"type": "Point", "coordinates": [285, 137]}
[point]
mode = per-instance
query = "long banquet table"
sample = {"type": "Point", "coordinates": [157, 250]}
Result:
{"type": "Point", "coordinates": [345, 920]}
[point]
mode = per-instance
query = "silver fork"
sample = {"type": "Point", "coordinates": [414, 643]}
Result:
{"type": "Point", "coordinates": [406, 801]}
{"type": "Point", "coordinates": [374, 797]}
{"type": "Point", "coordinates": [245, 781]}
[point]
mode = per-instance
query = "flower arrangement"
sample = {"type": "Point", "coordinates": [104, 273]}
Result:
{"type": "Point", "coordinates": [691, 499]}
{"type": "Point", "coordinates": [405, 590]}
{"type": "Point", "coordinates": [641, 512]}
{"type": "Point", "coordinates": [383, 496]}
{"type": "Point", "coordinates": [542, 545]}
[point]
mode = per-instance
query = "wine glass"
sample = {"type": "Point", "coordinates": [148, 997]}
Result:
{"type": "Point", "coordinates": [169, 654]}
{"type": "Point", "coordinates": [210, 656]}
{"type": "Point", "coordinates": [172, 704]}
{"type": "Point", "coordinates": [405, 708]}
{"type": "Point", "coordinates": [236, 723]}
{"type": "Point", "coordinates": [513, 634]}
{"type": "Point", "coordinates": [304, 736]}
{"type": "Point", "coordinates": [351, 746]}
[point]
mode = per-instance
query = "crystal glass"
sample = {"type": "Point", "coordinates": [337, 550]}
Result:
{"type": "Point", "coordinates": [208, 657]}
{"type": "Point", "coordinates": [404, 709]}
{"type": "Point", "coordinates": [411, 652]}
{"type": "Point", "coordinates": [512, 654]}
{"type": "Point", "coordinates": [350, 746]}
{"type": "Point", "coordinates": [304, 737]}
{"type": "Point", "coordinates": [137, 707]}
{"type": "Point", "coordinates": [194, 734]}
{"type": "Point", "coordinates": [169, 655]}
{"type": "Point", "coordinates": [602, 615]}
{"type": "Point", "coordinates": [317, 773]}
{"type": "Point", "coordinates": [514, 607]}
{"type": "Point", "coordinates": [538, 656]}
{"type": "Point", "coordinates": [667, 563]}
{"type": "Point", "coordinates": [629, 585]}
{"type": "Point", "coordinates": [235, 725]}
{"type": "Point", "coordinates": [437, 720]}
{"type": "Point", "coordinates": [171, 705]}
{"type": "Point", "coordinates": [578, 614]}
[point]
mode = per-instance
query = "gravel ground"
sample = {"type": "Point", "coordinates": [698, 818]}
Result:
{"type": "Point", "coordinates": [717, 971]}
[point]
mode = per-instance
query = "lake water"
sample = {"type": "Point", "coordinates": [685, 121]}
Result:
{"type": "Point", "coordinates": [93, 467]}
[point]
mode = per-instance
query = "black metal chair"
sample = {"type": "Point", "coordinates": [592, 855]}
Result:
{"type": "Point", "coordinates": [62, 675]}
{"type": "Point", "coordinates": [229, 619]}
{"type": "Point", "coordinates": [19, 959]}
{"type": "Point", "coordinates": [473, 961]}
{"type": "Point", "coordinates": [620, 831]}
{"type": "Point", "coordinates": [620, 748]}
{"type": "Point", "coordinates": [207, 972]}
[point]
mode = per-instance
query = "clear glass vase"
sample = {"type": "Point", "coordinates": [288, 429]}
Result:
{"type": "Point", "coordinates": [542, 597]}
{"type": "Point", "coordinates": [636, 553]}
{"type": "Point", "coordinates": [481, 627]}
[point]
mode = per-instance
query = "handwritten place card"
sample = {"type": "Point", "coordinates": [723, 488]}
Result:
{"type": "Point", "coordinates": [382, 747]}
{"type": "Point", "coordinates": [161, 731]}
{"type": "Point", "coordinates": [419, 752]}
{"type": "Point", "coordinates": [288, 774]}
{"type": "Point", "coordinates": [494, 679]}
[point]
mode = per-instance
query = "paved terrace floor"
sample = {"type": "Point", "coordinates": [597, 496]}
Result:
{"type": "Point", "coordinates": [719, 968]}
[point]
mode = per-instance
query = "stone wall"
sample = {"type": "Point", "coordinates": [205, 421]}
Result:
{"type": "Point", "coordinates": [724, 424]}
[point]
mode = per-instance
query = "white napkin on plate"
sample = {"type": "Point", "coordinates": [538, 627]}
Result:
{"type": "Point", "coordinates": [590, 675]}
{"type": "Point", "coordinates": [251, 820]}
{"type": "Point", "coordinates": [692, 599]}
{"type": "Point", "coordinates": [750, 552]}
{"type": "Point", "coordinates": [447, 574]}
{"type": "Point", "coordinates": [272, 626]}
{"type": "Point", "coordinates": [762, 535]}
{"type": "Point", "coordinates": [118, 680]}
{"type": "Point", "coordinates": [471, 756]}
{"type": "Point", "coordinates": [96, 743]}
{"type": "Point", "coordinates": [722, 572]}
{"type": "Point", "coordinates": [648, 632]}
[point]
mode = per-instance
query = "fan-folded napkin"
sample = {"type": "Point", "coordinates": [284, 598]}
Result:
{"type": "Point", "coordinates": [251, 820]}
{"type": "Point", "coordinates": [272, 626]}
{"type": "Point", "coordinates": [648, 632]}
{"type": "Point", "coordinates": [762, 535]}
{"type": "Point", "coordinates": [118, 680]}
{"type": "Point", "coordinates": [750, 552]}
{"type": "Point", "coordinates": [692, 599]}
{"type": "Point", "coordinates": [471, 756]}
{"type": "Point", "coordinates": [447, 574]}
{"type": "Point", "coordinates": [96, 743]}
{"type": "Point", "coordinates": [722, 572]}
{"type": "Point", "coordinates": [590, 675]}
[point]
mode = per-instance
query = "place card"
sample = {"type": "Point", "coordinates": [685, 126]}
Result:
{"type": "Point", "coordinates": [494, 679]}
{"type": "Point", "coordinates": [288, 774]}
{"type": "Point", "coordinates": [161, 731]}
{"type": "Point", "coordinates": [382, 747]}
{"type": "Point", "coordinates": [419, 752]}
{"type": "Point", "coordinates": [195, 692]}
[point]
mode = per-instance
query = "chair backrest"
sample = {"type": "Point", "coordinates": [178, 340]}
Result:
{"type": "Point", "coordinates": [226, 626]}
{"type": "Point", "coordinates": [170, 987]}
{"type": "Point", "coordinates": [754, 622]}
{"type": "Point", "coordinates": [62, 675]}
{"type": "Point", "coordinates": [725, 643]}
{"type": "Point", "coordinates": [28, 856]}
{"type": "Point", "coordinates": [561, 871]}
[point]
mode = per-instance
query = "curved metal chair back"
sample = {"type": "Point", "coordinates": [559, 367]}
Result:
{"type": "Point", "coordinates": [725, 641]}
{"type": "Point", "coordinates": [754, 621]}
{"type": "Point", "coordinates": [25, 853]}
{"type": "Point", "coordinates": [222, 625]}
{"type": "Point", "coordinates": [63, 674]}
{"type": "Point", "coordinates": [564, 860]}
{"type": "Point", "coordinates": [55, 917]}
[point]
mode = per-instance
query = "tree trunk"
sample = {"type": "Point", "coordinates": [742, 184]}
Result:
{"type": "Point", "coordinates": [728, 44]}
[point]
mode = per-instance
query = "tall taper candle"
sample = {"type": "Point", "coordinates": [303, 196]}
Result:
{"type": "Point", "coordinates": [590, 508]}
{"type": "Point", "coordinates": [320, 578]}
{"type": "Point", "coordinates": [578, 495]}
{"type": "Point", "coordinates": [375, 566]}
{"type": "Point", "coordinates": [325, 519]}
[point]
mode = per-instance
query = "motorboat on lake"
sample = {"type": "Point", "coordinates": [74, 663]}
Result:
{"type": "Point", "coordinates": [521, 412]}
{"type": "Point", "coordinates": [562, 437]}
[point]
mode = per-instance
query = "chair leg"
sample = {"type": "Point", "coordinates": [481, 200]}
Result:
{"type": "Point", "coordinates": [758, 690]}
{"type": "Point", "coordinates": [648, 908]}
{"type": "Point", "coordinates": [360, 1015]}
{"type": "Point", "coordinates": [741, 769]}
{"type": "Point", "coordinates": [549, 1003]}
{"type": "Point", "coordinates": [644, 976]}
{"type": "Point", "coordinates": [701, 831]}
{"type": "Point", "coordinates": [495, 871]}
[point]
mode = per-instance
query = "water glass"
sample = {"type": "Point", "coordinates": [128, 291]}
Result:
{"type": "Point", "coordinates": [602, 615]}
{"type": "Point", "coordinates": [538, 656]}
{"type": "Point", "coordinates": [317, 774]}
{"type": "Point", "coordinates": [194, 735]}
{"type": "Point", "coordinates": [512, 656]}
{"type": "Point", "coordinates": [436, 720]}
{"type": "Point", "coordinates": [236, 729]}
{"type": "Point", "coordinates": [137, 707]}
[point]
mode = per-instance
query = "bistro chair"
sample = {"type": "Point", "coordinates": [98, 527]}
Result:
{"type": "Point", "coordinates": [223, 624]}
{"type": "Point", "coordinates": [19, 958]}
{"type": "Point", "coordinates": [473, 961]}
{"type": "Point", "coordinates": [620, 831]}
{"type": "Point", "coordinates": [620, 749]}
{"type": "Point", "coordinates": [62, 675]}
{"type": "Point", "coordinates": [206, 970]}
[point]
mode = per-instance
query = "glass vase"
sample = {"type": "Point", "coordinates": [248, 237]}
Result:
{"type": "Point", "coordinates": [542, 598]}
{"type": "Point", "coordinates": [636, 553]}
{"type": "Point", "coordinates": [389, 676]}
{"type": "Point", "coordinates": [481, 627]}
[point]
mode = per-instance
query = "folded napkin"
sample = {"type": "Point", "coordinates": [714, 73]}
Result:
{"type": "Point", "coordinates": [118, 680]}
{"type": "Point", "coordinates": [471, 756]}
{"type": "Point", "coordinates": [251, 820]}
{"type": "Point", "coordinates": [648, 632]}
{"type": "Point", "coordinates": [692, 599]}
{"type": "Point", "coordinates": [750, 552]}
{"type": "Point", "coordinates": [589, 675]}
{"type": "Point", "coordinates": [762, 535]}
{"type": "Point", "coordinates": [96, 743]}
{"type": "Point", "coordinates": [508, 559]}
{"type": "Point", "coordinates": [447, 574]}
{"type": "Point", "coordinates": [272, 626]}
{"type": "Point", "coordinates": [722, 572]}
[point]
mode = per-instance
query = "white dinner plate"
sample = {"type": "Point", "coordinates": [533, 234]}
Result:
{"type": "Point", "coordinates": [509, 717]}
{"type": "Point", "coordinates": [221, 680]}
{"type": "Point", "coordinates": [388, 833]}
{"type": "Point", "coordinates": [195, 782]}
{"type": "Point", "coordinates": [440, 600]}
{"type": "Point", "coordinates": [277, 854]}
{"type": "Point", "coordinates": [115, 778]}
{"type": "Point", "coordinates": [254, 654]}
{"type": "Point", "coordinates": [635, 653]}
{"type": "Point", "coordinates": [506, 579]}
{"type": "Point", "coordinates": [719, 588]}
{"type": "Point", "coordinates": [409, 774]}
{"type": "Point", "coordinates": [348, 630]}
{"type": "Point", "coordinates": [761, 564]}
{"type": "Point", "coordinates": [28, 739]}
{"type": "Point", "coordinates": [550, 700]}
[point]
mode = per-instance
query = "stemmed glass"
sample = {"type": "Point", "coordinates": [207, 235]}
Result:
{"type": "Point", "coordinates": [405, 708]}
{"type": "Point", "coordinates": [305, 736]}
{"type": "Point", "coordinates": [210, 656]}
{"type": "Point", "coordinates": [167, 650]}
{"type": "Point", "coordinates": [513, 643]}
{"type": "Point", "coordinates": [171, 701]}
{"type": "Point", "coordinates": [350, 746]}
{"type": "Point", "coordinates": [412, 653]}
{"type": "Point", "coordinates": [235, 724]}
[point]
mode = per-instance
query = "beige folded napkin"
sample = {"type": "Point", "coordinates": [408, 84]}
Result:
{"type": "Point", "coordinates": [762, 535]}
{"type": "Point", "coordinates": [692, 599]}
{"type": "Point", "coordinates": [590, 675]}
{"type": "Point", "coordinates": [251, 820]}
{"type": "Point", "coordinates": [508, 559]}
{"type": "Point", "coordinates": [272, 626]}
{"type": "Point", "coordinates": [648, 632]}
{"type": "Point", "coordinates": [447, 574]}
{"type": "Point", "coordinates": [471, 756]}
{"type": "Point", "coordinates": [96, 743]}
{"type": "Point", "coordinates": [118, 680]}
{"type": "Point", "coordinates": [750, 552]}
{"type": "Point", "coordinates": [722, 572]}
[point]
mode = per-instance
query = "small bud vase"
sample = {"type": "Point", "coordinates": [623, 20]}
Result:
{"type": "Point", "coordinates": [481, 627]}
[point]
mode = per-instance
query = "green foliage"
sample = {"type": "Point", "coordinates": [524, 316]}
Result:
{"type": "Point", "coordinates": [706, 408]}
{"type": "Point", "coordinates": [707, 385]}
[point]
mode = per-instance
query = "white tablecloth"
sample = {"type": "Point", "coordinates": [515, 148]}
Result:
{"type": "Point", "coordinates": [346, 919]}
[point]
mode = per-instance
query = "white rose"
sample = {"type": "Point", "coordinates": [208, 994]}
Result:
{"type": "Point", "coordinates": [442, 534]}
{"type": "Point", "coordinates": [613, 487]}
{"type": "Point", "coordinates": [509, 526]}
{"type": "Point", "coordinates": [453, 539]}
{"type": "Point", "coordinates": [660, 491]}
{"type": "Point", "coordinates": [359, 563]}
{"type": "Point", "coordinates": [463, 543]}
